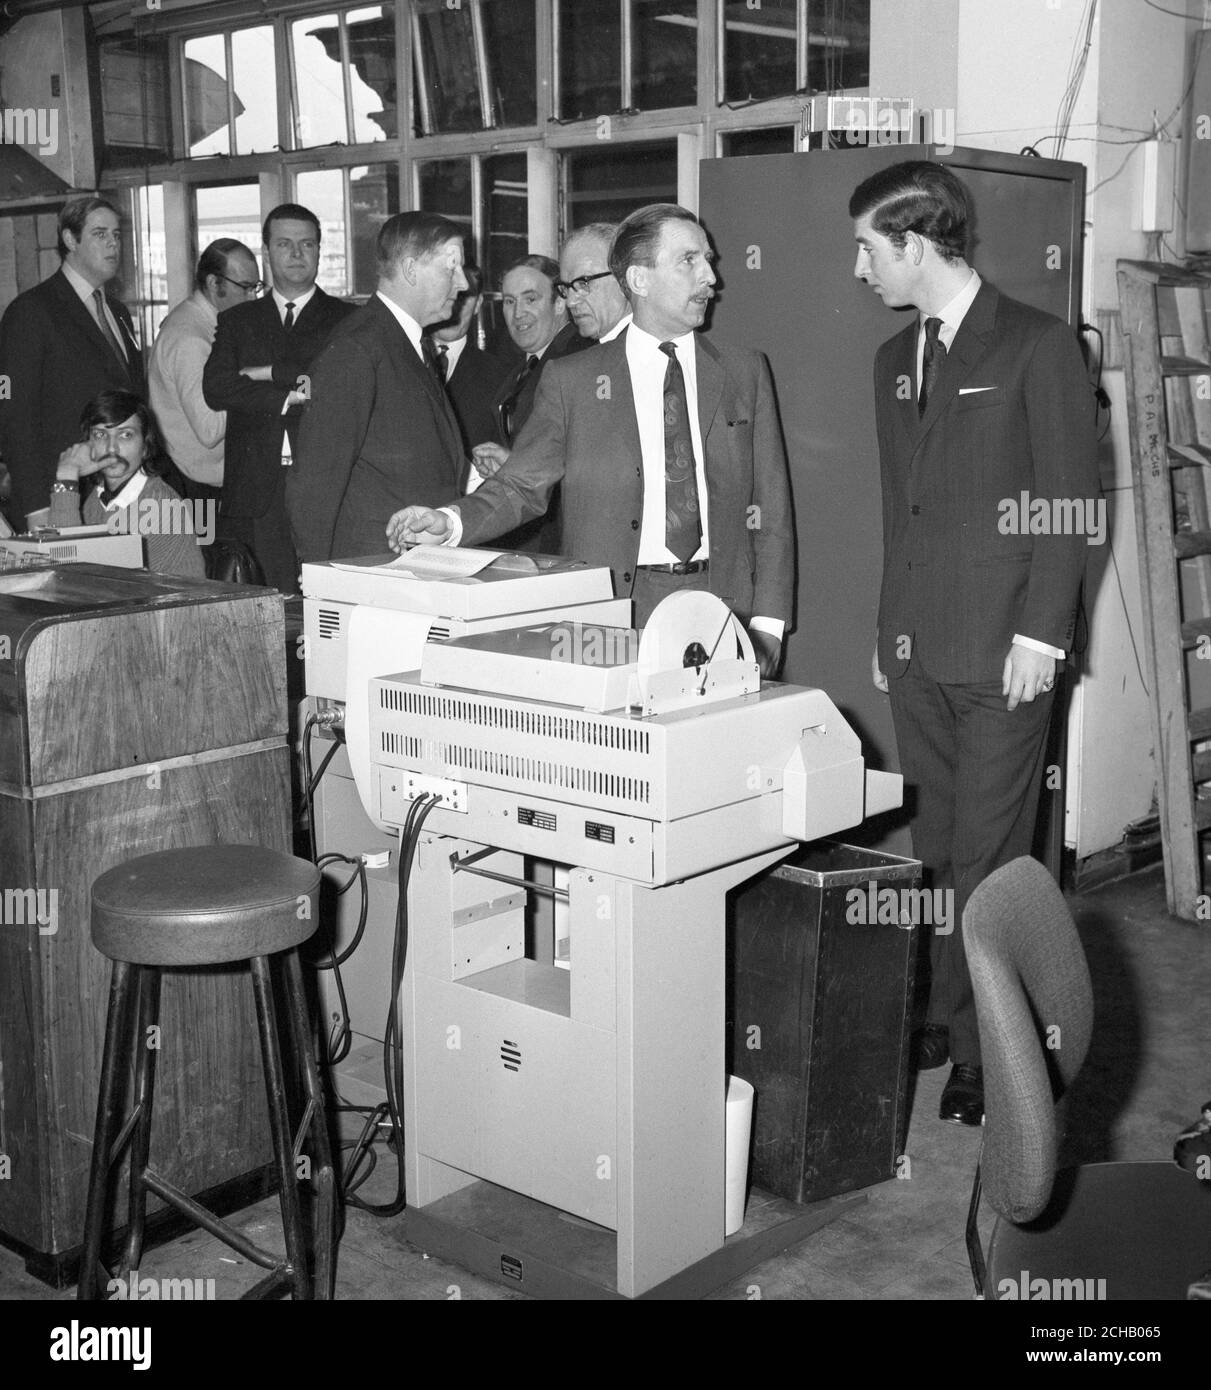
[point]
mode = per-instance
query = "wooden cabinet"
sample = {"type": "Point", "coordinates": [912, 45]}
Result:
{"type": "Point", "coordinates": [137, 712]}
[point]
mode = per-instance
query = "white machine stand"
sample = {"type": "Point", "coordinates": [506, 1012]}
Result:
{"type": "Point", "coordinates": [596, 1090]}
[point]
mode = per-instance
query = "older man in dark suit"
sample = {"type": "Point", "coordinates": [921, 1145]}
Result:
{"type": "Point", "coordinates": [61, 343]}
{"type": "Point", "coordinates": [257, 372]}
{"type": "Point", "coordinates": [472, 376]}
{"type": "Point", "coordinates": [978, 400]}
{"type": "Point", "coordinates": [536, 317]}
{"type": "Point", "coordinates": [669, 448]}
{"type": "Point", "coordinates": [380, 432]}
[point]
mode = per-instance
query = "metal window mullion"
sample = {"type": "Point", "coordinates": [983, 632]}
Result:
{"type": "Point", "coordinates": [419, 75]}
{"type": "Point", "coordinates": [347, 199]}
{"type": "Point", "coordinates": [720, 52]}
{"type": "Point", "coordinates": [479, 46]}
{"type": "Point", "coordinates": [229, 66]}
{"type": "Point", "coordinates": [626, 100]}
{"type": "Point", "coordinates": [553, 54]}
{"type": "Point", "coordinates": [801, 54]}
{"type": "Point", "coordinates": [478, 220]}
{"type": "Point", "coordinates": [294, 110]}
{"type": "Point", "coordinates": [346, 75]}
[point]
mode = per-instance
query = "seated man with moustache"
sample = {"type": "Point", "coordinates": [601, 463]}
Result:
{"type": "Point", "coordinates": [121, 443]}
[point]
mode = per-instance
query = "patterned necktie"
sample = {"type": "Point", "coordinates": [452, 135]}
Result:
{"type": "Point", "coordinates": [509, 404]}
{"type": "Point", "coordinates": [288, 321]}
{"type": "Point", "coordinates": [931, 363]}
{"type": "Point", "coordinates": [103, 324]}
{"type": "Point", "coordinates": [683, 534]}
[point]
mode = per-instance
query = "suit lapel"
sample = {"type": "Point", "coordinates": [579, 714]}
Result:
{"type": "Point", "coordinates": [969, 346]}
{"type": "Point", "coordinates": [81, 315]}
{"type": "Point", "coordinates": [620, 406]}
{"type": "Point", "coordinates": [709, 376]}
{"type": "Point", "coordinates": [316, 308]}
{"type": "Point", "coordinates": [410, 367]}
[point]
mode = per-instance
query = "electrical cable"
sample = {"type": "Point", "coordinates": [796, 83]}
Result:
{"type": "Point", "coordinates": [393, 1078]}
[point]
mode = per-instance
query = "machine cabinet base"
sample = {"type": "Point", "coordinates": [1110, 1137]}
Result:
{"type": "Point", "coordinates": [545, 1253]}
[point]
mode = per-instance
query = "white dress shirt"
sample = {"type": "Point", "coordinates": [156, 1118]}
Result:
{"type": "Point", "coordinates": [648, 366]}
{"type": "Point", "coordinates": [300, 302]}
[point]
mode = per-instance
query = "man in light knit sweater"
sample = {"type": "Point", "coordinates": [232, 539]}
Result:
{"type": "Point", "coordinates": [122, 445]}
{"type": "Point", "coordinates": [193, 433]}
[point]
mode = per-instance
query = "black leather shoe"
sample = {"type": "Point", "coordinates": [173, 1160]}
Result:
{"type": "Point", "coordinates": [963, 1096]}
{"type": "Point", "coordinates": [931, 1047]}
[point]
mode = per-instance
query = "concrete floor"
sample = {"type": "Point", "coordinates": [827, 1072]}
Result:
{"type": "Point", "coordinates": [1148, 1072]}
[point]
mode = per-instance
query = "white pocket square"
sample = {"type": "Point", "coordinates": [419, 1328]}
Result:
{"type": "Point", "coordinates": [974, 390]}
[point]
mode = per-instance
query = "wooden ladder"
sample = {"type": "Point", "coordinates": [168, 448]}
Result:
{"type": "Point", "coordinates": [1168, 370]}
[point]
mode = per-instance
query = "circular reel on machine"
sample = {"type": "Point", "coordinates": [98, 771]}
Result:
{"type": "Point", "coordinates": [693, 650]}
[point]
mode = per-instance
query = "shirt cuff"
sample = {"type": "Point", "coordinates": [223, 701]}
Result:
{"type": "Point", "coordinates": [774, 626]}
{"type": "Point", "coordinates": [1034, 646]}
{"type": "Point", "coordinates": [456, 525]}
{"type": "Point", "coordinates": [474, 478]}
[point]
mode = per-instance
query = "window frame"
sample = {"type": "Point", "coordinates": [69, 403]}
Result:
{"type": "Point", "coordinates": [698, 128]}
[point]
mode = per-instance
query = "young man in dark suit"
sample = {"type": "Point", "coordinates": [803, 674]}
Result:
{"type": "Point", "coordinates": [257, 372]}
{"type": "Point", "coordinates": [621, 425]}
{"type": "Point", "coordinates": [380, 432]}
{"type": "Point", "coordinates": [61, 343]}
{"type": "Point", "coordinates": [978, 400]}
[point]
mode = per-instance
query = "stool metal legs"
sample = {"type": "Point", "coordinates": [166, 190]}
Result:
{"type": "Point", "coordinates": [134, 1003]}
{"type": "Point", "coordinates": [122, 988]}
{"type": "Point", "coordinates": [279, 1121]}
{"type": "Point", "coordinates": [323, 1174]}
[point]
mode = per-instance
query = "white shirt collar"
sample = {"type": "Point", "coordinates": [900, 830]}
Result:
{"type": "Point", "coordinates": [650, 343]}
{"type": "Point", "coordinates": [620, 327]}
{"type": "Point", "coordinates": [129, 492]}
{"type": "Point", "coordinates": [405, 321]}
{"type": "Point", "coordinates": [300, 302]}
{"type": "Point", "coordinates": [80, 284]}
{"type": "Point", "coordinates": [953, 313]}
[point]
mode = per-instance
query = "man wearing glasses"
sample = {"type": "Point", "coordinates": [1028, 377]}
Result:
{"type": "Point", "coordinates": [193, 433]}
{"type": "Point", "coordinates": [596, 303]}
{"type": "Point", "coordinates": [257, 373]}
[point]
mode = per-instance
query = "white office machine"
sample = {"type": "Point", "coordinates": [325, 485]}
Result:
{"type": "Point", "coordinates": [664, 773]}
{"type": "Point", "coordinates": [363, 618]}
{"type": "Point", "coordinates": [71, 544]}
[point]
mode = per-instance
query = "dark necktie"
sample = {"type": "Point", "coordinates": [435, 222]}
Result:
{"type": "Point", "coordinates": [683, 534]}
{"type": "Point", "coordinates": [509, 404]}
{"type": "Point", "coordinates": [103, 324]}
{"type": "Point", "coordinates": [931, 363]}
{"type": "Point", "coordinates": [435, 357]}
{"type": "Point", "coordinates": [288, 321]}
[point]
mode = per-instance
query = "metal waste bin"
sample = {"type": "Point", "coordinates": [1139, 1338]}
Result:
{"type": "Point", "coordinates": [823, 950]}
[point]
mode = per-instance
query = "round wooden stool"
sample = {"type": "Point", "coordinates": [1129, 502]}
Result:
{"type": "Point", "coordinates": [207, 906]}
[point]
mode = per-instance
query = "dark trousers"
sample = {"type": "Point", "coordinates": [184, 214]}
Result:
{"type": "Point", "coordinates": [269, 539]}
{"type": "Point", "coordinates": [976, 769]}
